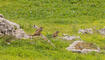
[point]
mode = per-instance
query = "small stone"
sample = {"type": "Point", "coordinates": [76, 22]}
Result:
{"type": "Point", "coordinates": [67, 37]}
{"type": "Point", "coordinates": [102, 31]}
{"type": "Point", "coordinates": [86, 31]}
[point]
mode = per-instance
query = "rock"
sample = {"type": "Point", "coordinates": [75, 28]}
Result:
{"type": "Point", "coordinates": [19, 33]}
{"type": "Point", "coordinates": [90, 50]}
{"type": "Point", "coordinates": [67, 37]}
{"type": "Point", "coordinates": [10, 28]}
{"type": "Point", "coordinates": [102, 31]}
{"type": "Point", "coordinates": [1, 16]}
{"type": "Point", "coordinates": [83, 47]}
{"type": "Point", "coordinates": [86, 31]}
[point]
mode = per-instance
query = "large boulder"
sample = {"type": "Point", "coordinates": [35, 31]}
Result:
{"type": "Point", "coordinates": [82, 47]}
{"type": "Point", "coordinates": [10, 28]}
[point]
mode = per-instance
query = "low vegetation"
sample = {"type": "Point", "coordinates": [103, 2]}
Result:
{"type": "Point", "coordinates": [65, 16]}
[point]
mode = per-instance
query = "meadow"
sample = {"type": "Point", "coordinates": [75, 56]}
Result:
{"type": "Point", "coordinates": [66, 16]}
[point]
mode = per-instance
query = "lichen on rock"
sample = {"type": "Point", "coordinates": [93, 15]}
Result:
{"type": "Point", "coordinates": [82, 47]}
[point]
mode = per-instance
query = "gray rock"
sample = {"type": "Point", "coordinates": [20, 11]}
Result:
{"type": "Point", "coordinates": [10, 28]}
{"type": "Point", "coordinates": [67, 37]}
{"type": "Point", "coordinates": [102, 31]}
{"type": "Point", "coordinates": [86, 31]}
{"type": "Point", "coordinates": [90, 50]}
{"type": "Point", "coordinates": [1, 16]}
{"type": "Point", "coordinates": [19, 33]}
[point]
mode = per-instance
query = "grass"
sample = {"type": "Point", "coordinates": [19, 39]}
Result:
{"type": "Point", "coordinates": [64, 15]}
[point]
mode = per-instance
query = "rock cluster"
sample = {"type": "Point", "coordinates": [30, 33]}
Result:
{"type": "Point", "coordinates": [10, 28]}
{"type": "Point", "coordinates": [82, 47]}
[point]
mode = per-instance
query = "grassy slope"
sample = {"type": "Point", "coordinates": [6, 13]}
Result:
{"type": "Point", "coordinates": [64, 15]}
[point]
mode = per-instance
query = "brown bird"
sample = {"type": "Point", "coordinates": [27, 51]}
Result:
{"type": "Point", "coordinates": [55, 34]}
{"type": "Point", "coordinates": [38, 32]}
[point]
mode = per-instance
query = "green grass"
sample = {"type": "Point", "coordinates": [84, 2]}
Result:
{"type": "Point", "coordinates": [67, 16]}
